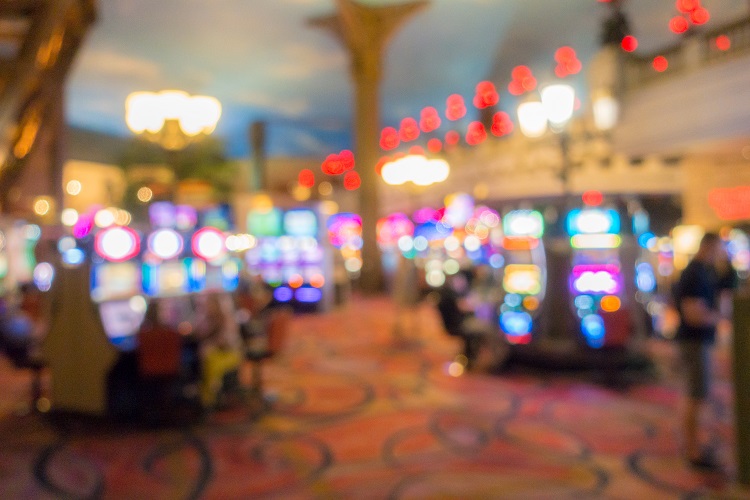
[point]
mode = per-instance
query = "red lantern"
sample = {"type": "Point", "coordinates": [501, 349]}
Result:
{"type": "Point", "coordinates": [352, 181]}
{"type": "Point", "coordinates": [455, 108]}
{"type": "Point", "coordinates": [486, 95]}
{"type": "Point", "coordinates": [389, 138]}
{"type": "Point", "coordinates": [429, 120]}
{"type": "Point", "coordinates": [476, 134]}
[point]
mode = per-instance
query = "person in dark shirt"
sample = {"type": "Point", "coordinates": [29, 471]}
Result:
{"type": "Point", "coordinates": [698, 307]}
{"type": "Point", "coordinates": [458, 316]}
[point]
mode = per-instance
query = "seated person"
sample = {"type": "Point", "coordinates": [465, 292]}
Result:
{"type": "Point", "coordinates": [159, 346]}
{"type": "Point", "coordinates": [220, 345]}
{"type": "Point", "coordinates": [458, 316]}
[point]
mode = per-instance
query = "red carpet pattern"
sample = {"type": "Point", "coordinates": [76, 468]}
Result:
{"type": "Point", "coordinates": [351, 413]}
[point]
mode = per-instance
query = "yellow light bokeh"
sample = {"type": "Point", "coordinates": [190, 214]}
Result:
{"type": "Point", "coordinates": [42, 206]}
{"type": "Point", "coordinates": [73, 187]}
{"type": "Point", "coordinates": [145, 194]}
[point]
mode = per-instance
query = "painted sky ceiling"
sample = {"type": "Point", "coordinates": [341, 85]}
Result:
{"type": "Point", "coordinates": [263, 60]}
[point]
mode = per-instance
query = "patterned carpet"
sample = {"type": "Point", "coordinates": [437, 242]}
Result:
{"type": "Point", "coordinates": [356, 415]}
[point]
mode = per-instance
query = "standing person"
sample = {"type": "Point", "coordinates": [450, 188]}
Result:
{"type": "Point", "coordinates": [406, 296]}
{"type": "Point", "coordinates": [698, 307]}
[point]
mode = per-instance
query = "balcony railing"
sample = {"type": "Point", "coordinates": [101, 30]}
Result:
{"type": "Point", "coordinates": [696, 50]}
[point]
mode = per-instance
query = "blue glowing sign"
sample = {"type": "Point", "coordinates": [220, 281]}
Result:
{"type": "Point", "coordinates": [593, 329]}
{"type": "Point", "coordinates": [593, 221]}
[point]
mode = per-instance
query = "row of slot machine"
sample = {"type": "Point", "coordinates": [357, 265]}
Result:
{"type": "Point", "coordinates": [184, 255]}
{"type": "Point", "coordinates": [18, 263]}
{"type": "Point", "coordinates": [583, 272]}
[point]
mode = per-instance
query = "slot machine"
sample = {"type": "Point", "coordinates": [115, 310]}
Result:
{"type": "Point", "coordinates": [115, 282]}
{"type": "Point", "coordinates": [597, 282]}
{"type": "Point", "coordinates": [525, 274]}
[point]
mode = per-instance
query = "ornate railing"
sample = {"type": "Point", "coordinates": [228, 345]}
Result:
{"type": "Point", "coordinates": [696, 50]}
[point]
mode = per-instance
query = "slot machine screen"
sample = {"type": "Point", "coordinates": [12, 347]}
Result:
{"type": "Point", "coordinates": [166, 279]}
{"type": "Point", "coordinates": [265, 223]}
{"type": "Point", "coordinates": [115, 281]}
{"type": "Point", "coordinates": [121, 322]}
{"type": "Point", "coordinates": [300, 223]}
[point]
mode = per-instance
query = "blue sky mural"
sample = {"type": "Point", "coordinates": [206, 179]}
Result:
{"type": "Point", "coordinates": [263, 60]}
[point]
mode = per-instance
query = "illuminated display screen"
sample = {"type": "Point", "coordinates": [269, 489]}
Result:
{"type": "Point", "coordinates": [596, 279]}
{"type": "Point", "coordinates": [593, 330]}
{"type": "Point", "coordinates": [265, 223]}
{"type": "Point", "coordinates": [283, 294]}
{"type": "Point", "coordinates": [516, 324]}
{"type": "Point", "coordinates": [524, 279]}
{"type": "Point", "coordinates": [300, 223]}
{"type": "Point", "coordinates": [115, 281]}
{"type": "Point", "coordinates": [592, 221]}
{"type": "Point", "coordinates": [308, 295]}
{"type": "Point", "coordinates": [595, 241]}
{"type": "Point", "coordinates": [121, 322]}
{"type": "Point", "coordinates": [219, 217]}
{"type": "Point", "coordinates": [516, 243]}
{"type": "Point", "coordinates": [525, 223]}
{"type": "Point", "coordinates": [165, 280]}
{"type": "Point", "coordinates": [645, 279]}
{"type": "Point", "coordinates": [224, 277]}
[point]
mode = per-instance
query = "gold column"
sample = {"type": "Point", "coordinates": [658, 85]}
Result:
{"type": "Point", "coordinates": [365, 31]}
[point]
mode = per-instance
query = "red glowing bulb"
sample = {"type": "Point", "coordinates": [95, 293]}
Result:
{"type": "Point", "coordinates": [486, 95]}
{"type": "Point", "coordinates": [723, 42]}
{"type": "Point", "coordinates": [501, 124]}
{"type": "Point", "coordinates": [352, 181]}
{"type": "Point", "coordinates": [700, 16]}
{"type": "Point", "coordinates": [409, 130]}
{"type": "Point", "coordinates": [306, 178]}
{"type": "Point", "coordinates": [593, 198]}
{"type": "Point", "coordinates": [629, 43]}
{"type": "Point", "coordinates": [455, 107]}
{"type": "Point", "coordinates": [686, 6]}
{"type": "Point", "coordinates": [678, 24]}
{"type": "Point", "coordinates": [520, 72]}
{"type": "Point", "coordinates": [389, 138]}
{"type": "Point", "coordinates": [515, 88]}
{"type": "Point", "coordinates": [565, 54]}
{"type": "Point", "coordinates": [452, 137]}
{"type": "Point", "coordinates": [337, 164]}
{"type": "Point", "coordinates": [476, 134]}
{"type": "Point", "coordinates": [434, 145]}
{"type": "Point", "coordinates": [660, 63]}
{"type": "Point", "coordinates": [416, 150]}
{"type": "Point", "coordinates": [429, 120]}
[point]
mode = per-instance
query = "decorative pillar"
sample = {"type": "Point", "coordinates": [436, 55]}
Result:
{"type": "Point", "coordinates": [365, 31]}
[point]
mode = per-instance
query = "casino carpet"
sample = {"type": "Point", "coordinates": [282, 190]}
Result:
{"type": "Point", "coordinates": [355, 414]}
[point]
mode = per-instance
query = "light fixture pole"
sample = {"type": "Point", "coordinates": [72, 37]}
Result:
{"type": "Point", "coordinates": [554, 110]}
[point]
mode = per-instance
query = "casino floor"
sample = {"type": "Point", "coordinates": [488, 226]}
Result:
{"type": "Point", "coordinates": [354, 414]}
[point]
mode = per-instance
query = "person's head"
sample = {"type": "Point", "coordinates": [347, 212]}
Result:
{"type": "Point", "coordinates": [152, 313]}
{"type": "Point", "coordinates": [710, 249]}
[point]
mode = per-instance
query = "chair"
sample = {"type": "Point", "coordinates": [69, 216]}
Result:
{"type": "Point", "coordinates": [276, 332]}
